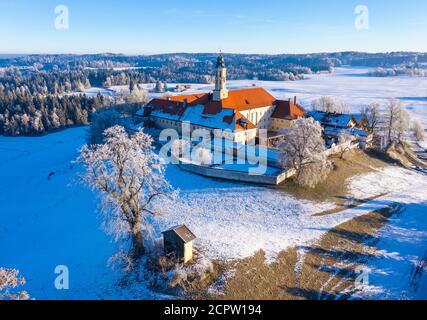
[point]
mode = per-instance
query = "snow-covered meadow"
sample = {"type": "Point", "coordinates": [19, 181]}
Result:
{"type": "Point", "coordinates": [48, 219]}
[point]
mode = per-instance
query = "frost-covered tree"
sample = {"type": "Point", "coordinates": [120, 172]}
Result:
{"type": "Point", "coordinates": [136, 94]}
{"type": "Point", "coordinates": [10, 281]}
{"type": "Point", "coordinates": [54, 119]}
{"type": "Point", "coordinates": [102, 120]}
{"type": "Point", "coordinates": [202, 156]}
{"type": "Point", "coordinates": [396, 121]}
{"type": "Point", "coordinates": [418, 130]}
{"type": "Point", "coordinates": [129, 176]}
{"type": "Point", "coordinates": [159, 87]}
{"type": "Point", "coordinates": [303, 149]}
{"type": "Point", "coordinates": [132, 86]}
{"type": "Point", "coordinates": [328, 104]}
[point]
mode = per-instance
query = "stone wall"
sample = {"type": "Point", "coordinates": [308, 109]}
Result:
{"type": "Point", "coordinates": [237, 175]}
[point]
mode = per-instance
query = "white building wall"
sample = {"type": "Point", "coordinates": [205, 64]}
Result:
{"type": "Point", "coordinates": [260, 116]}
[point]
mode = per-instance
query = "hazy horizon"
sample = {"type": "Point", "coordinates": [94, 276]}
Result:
{"type": "Point", "coordinates": [13, 54]}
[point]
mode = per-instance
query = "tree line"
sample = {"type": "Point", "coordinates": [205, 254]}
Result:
{"type": "Point", "coordinates": [24, 113]}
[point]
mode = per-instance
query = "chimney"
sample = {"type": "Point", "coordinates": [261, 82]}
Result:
{"type": "Point", "coordinates": [295, 100]}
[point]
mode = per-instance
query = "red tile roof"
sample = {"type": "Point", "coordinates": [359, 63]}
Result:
{"type": "Point", "coordinates": [243, 123]}
{"type": "Point", "coordinates": [245, 99]}
{"type": "Point", "coordinates": [239, 100]}
{"type": "Point", "coordinates": [285, 109]}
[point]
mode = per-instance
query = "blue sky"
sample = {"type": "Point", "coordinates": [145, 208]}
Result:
{"type": "Point", "coordinates": [241, 26]}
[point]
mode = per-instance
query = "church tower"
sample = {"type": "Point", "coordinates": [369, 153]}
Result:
{"type": "Point", "coordinates": [220, 91]}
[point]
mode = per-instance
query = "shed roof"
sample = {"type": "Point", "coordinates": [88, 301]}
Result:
{"type": "Point", "coordinates": [183, 232]}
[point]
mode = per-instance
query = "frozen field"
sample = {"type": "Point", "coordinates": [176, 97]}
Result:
{"type": "Point", "coordinates": [47, 219]}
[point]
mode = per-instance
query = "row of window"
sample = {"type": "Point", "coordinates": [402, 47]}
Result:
{"type": "Point", "coordinates": [175, 124]}
{"type": "Point", "coordinates": [256, 117]}
{"type": "Point", "coordinates": [167, 122]}
{"type": "Point", "coordinates": [194, 127]}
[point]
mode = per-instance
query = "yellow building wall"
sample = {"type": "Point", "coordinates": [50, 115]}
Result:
{"type": "Point", "coordinates": [188, 252]}
{"type": "Point", "coordinates": [277, 124]}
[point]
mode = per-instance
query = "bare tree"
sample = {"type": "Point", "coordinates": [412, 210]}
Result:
{"type": "Point", "coordinates": [303, 149]}
{"type": "Point", "coordinates": [397, 121]}
{"type": "Point", "coordinates": [129, 176]}
{"type": "Point", "coordinates": [344, 140]}
{"type": "Point", "coordinates": [418, 130]}
{"type": "Point", "coordinates": [328, 104]}
{"type": "Point", "coordinates": [10, 281]}
{"type": "Point", "coordinates": [372, 115]}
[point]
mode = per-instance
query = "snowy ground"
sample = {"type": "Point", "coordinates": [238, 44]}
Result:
{"type": "Point", "coordinates": [45, 222]}
{"type": "Point", "coordinates": [93, 92]}
{"type": "Point", "coordinates": [46, 219]}
{"type": "Point", "coordinates": [402, 244]}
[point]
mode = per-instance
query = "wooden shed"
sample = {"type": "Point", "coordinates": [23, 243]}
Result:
{"type": "Point", "coordinates": [179, 241]}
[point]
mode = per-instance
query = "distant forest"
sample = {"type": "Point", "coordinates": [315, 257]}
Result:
{"type": "Point", "coordinates": [38, 92]}
{"type": "Point", "coordinates": [199, 68]}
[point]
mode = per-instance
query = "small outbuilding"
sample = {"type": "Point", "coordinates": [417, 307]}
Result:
{"type": "Point", "coordinates": [179, 241]}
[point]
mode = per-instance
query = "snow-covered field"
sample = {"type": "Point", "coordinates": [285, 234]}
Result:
{"type": "Point", "coordinates": [47, 219]}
